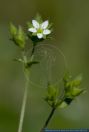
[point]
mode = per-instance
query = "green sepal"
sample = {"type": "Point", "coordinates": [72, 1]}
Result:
{"type": "Point", "coordinates": [13, 30]}
{"type": "Point", "coordinates": [63, 105]}
{"type": "Point", "coordinates": [66, 102]}
{"type": "Point", "coordinates": [66, 78]}
{"type": "Point", "coordinates": [72, 88]}
{"type": "Point", "coordinates": [29, 25]}
{"type": "Point", "coordinates": [34, 38]}
{"type": "Point", "coordinates": [38, 18]}
{"type": "Point", "coordinates": [77, 91]}
{"type": "Point", "coordinates": [75, 82]}
{"type": "Point", "coordinates": [52, 92]}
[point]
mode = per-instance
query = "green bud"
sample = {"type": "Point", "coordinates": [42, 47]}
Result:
{"type": "Point", "coordinates": [72, 88]}
{"type": "Point", "coordinates": [18, 36]}
{"type": "Point", "coordinates": [52, 95]}
{"type": "Point", "coordinates": [66, 78]}
{"type": "Point", "coordinates": [52, 92]}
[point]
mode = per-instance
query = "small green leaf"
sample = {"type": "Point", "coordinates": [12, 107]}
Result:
{"type": "Point", "coordinates": [19, 60]}
{"type": "Point", "coordinates": [29, 64]}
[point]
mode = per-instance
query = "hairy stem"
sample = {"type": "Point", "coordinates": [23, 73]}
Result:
{"type": "Point", "coordinates": [48, 119]}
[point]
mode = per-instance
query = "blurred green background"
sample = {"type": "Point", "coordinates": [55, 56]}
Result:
{"type": "Point", "coordinates": [71, 34]}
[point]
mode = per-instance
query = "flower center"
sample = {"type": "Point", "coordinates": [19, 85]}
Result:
{"type": "Point", "coordinates": [39, 30]}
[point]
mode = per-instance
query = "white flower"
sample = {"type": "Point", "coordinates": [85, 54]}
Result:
{"type": "Point", "coordinates": [40, 30]}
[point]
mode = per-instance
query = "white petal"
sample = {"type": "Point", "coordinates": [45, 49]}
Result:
{"type": "Point", "coordinates": [35, 24]}
{"type": "Point", "coordinates": [39, 35]}
{"type": "Point", "coordinates": [33, 30]}
{"type": "Point", "coordinates": [46, 32]}
{"type": "Point", "coordinates": [44, 25]}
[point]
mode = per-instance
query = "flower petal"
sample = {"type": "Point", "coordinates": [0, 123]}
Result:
{"type": "Point", "coordinates": [35, 24]}
{"type": "Point", "coordinates": [33, 30]}
{"type": "Point", "coordinates": [46, 32]}
{"type": "Point", "coordinates": [39, 35]}
{"type": "Point", "coordinates": [44, 25]}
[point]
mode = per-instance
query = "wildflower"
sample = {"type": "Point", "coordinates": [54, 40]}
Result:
{"type": "Point", "coordinates": [41, 30]}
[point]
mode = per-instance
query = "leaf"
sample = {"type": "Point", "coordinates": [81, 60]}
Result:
{"type": "Point", "coordinates": [19, 60]}
{"type": "Point", "coordinates": [29, 64]}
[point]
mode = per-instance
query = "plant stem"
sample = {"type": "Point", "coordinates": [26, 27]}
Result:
{"type": "Point", "coordinates": [26, 73]}
{"type": "Point", "coordinates": [33, 49]}
{"type": "Point", "coordinates": [48, 119]}
{"type": "Point", "coordinates": [23, 105]}
{"type": "Point", "coordinates": [51, 115]}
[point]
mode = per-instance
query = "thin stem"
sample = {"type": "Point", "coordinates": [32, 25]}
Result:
{"type": "Point", "coordinates": [48, 119]}
{"type": "Point", "coordinates": [33, 49]}
{"type": "Point", "coordinates": [51, 114]}
{"type": "Point", "coordinates": [23, 107]}
{"type": "Point", "coordinates": [26, 73]}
